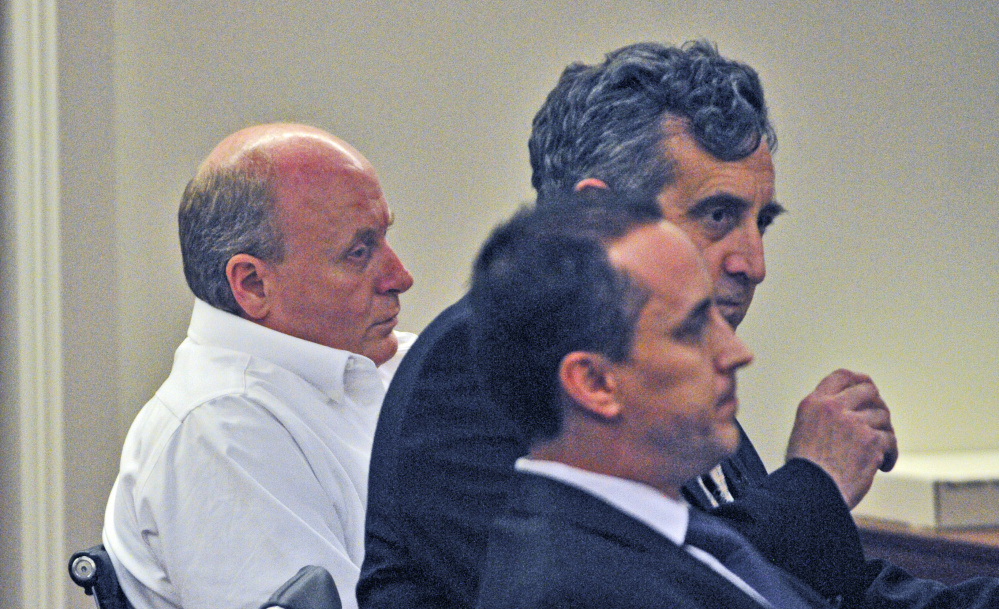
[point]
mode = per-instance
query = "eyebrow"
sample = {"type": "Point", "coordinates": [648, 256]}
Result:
{"type": "Point", "coordinates": [695, 318]}
{"type": "Point", "coordinates": [724, 199]}
{"type": "Point", "coordinates": [709, 203]}
{"type": "Point", "coordinates": [774, 209]}
{"type": "Point", "coordinates": [366, 234]}
{"type": "Point", "coordinates": [362, 235]}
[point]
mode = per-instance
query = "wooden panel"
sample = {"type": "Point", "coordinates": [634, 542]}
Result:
{"type": "Point", "coordinates": [950, 556]}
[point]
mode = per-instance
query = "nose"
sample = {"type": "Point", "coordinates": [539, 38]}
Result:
{"type": "Point", "coordinates": [731, 353]}
{"type": "Point", "coordinates": [395, 279]}
{"type": "Point", "coordinates": [746, 254]}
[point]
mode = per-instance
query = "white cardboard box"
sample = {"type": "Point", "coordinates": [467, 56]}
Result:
{"type": "Point", "coordinates": [940, 490]}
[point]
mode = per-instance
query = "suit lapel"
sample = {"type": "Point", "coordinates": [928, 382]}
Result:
{"type": "Point", "coordinates": [567, 506]}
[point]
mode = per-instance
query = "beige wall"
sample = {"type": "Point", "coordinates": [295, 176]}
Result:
{"type": "Point", "coordinates": [886, 112]}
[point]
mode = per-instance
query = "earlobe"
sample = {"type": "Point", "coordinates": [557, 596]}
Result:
{"type": "Point", "coordinates": [587, 378]}
{"type": "Point", "coordinates": [246, 280]}
{"type": "Point", "coordinates": [589, 183]}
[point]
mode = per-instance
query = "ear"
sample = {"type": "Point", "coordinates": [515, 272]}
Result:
{"type": "Point", "coordinates": [246, 279]}
{"type": "Point", "coordinates": [587, 379]}
{"type": "Point", "coordinates": [589, 183]}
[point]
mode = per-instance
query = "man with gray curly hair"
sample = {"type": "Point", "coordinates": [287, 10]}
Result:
{"type": "Point", "coordinates": [251, 460]}
{"type": "Point", "coordinates": [689, 129]}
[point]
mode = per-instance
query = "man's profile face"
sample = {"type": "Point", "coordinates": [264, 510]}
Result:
{"type": "Point", "coordinates": [339, 281]}
{"type": "Point", "coordinates": [724, 207]}
{"type": "Point", "coordinates": [677, 385]}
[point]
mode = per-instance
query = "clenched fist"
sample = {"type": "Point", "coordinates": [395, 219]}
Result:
{"type": "Point", "coordinates": [844, 427]}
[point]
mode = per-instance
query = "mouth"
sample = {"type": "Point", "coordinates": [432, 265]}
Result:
{"type": "Point", "coordinates": [732, 299]}
{"type": "Point", "coordinates": [728, 304]}
{"type": "Point", "coordinates": [732, 310]}
{"type": "Point", "coordinates": [388, 322]}
{"type": "Point", "coordinates": [728, 399]}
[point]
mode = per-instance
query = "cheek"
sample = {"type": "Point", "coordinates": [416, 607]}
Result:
{"type": "Point", "coordinates": [692, 397]}
{"type": "Point", "coordinates": [682, 386]}
{"type": "Point", "coordinates": [714, 257]}
{"type": "Point", "coordinates": [327, 300]}
{"type": "Point", "coordinates": [346, 306]}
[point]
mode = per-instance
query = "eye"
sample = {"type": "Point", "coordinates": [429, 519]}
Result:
{"type": "Point", "coordinates": [767, 216]}
{"type": "Point", "coordinates": [693, 329]}
{"type": "Point", "coordinates": [360, 252]}
{"type": "Point", "coordinates": [764, 221]}
{"type": "Point", "coordinates": [720, 215]}
{"type": "Point", "coordinates": [723, 219]}
{"type": "Point", "coordinates": [693, 333]}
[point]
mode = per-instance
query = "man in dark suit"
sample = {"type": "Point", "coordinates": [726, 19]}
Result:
{"type": "Point", "coordinates": [689, 129]}
{"type": "Point", "coordinates": [594, 325]}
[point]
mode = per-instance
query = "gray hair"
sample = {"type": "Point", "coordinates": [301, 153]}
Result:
{"type": "Point", "coordinates": [607, 121]}
{"type": "Point", "coordinates": [224, 212]}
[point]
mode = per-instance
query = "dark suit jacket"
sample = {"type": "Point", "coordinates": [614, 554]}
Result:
{"type": "Point", "coordinates": [558, 546]}
{"type": "Point", "coordinates": [442, 463]}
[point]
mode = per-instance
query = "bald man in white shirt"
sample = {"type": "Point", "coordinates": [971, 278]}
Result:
{"type": "Point", "coordinates": [251, 460]}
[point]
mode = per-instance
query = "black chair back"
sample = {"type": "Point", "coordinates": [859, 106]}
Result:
{"type": "Point", "coordinates": [311, 588]}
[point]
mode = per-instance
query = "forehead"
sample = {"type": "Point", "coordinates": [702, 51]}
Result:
{"type": "Point", "coordinates": [663, 260]}
{"type": "Point", "coordinates": [316, 189]}
{"type": "Point", "coordinates": [698, 174]}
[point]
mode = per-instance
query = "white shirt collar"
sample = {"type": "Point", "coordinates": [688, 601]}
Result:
{"type": "Point", "coordinates": [642, 502]}
{"type": "Point", "coordinates": [324, 367]}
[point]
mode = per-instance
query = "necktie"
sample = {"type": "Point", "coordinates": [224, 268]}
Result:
{"type": "Point", "coordinates": [741, 558]}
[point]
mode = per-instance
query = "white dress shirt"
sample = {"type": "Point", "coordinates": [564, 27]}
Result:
{"type": "Point", "coordinates": [640, 501]}
{"type": "Point", "coordinates": [250, 462]}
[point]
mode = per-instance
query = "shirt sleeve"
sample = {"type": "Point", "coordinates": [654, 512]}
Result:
{"type": "Point", "coordinates": [234, 508]}
{"type": "Point", "coordinates": [797, 518]}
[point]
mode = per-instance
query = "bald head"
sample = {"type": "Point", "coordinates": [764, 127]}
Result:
{"type": "Point", "coordinates": [265, 191]}
{"type": "Point", "coordinates": [273, 147]}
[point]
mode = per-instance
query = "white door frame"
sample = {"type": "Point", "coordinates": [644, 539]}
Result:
{"type": "Point", "coordinates": [33, 154]}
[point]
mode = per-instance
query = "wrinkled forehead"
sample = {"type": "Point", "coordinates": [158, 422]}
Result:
{"type": "Point", "coordinates": [317, 193]}
{"type": "Point", "coordinates": [306, 157]}
{"type": "Point", "coordinates": [688, 159]}
{"type": "Point", "coordinates": [321, 168]}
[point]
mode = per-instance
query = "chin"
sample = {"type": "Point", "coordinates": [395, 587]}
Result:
{"type": "Point", "coordinates": [728, 440]}
{"type": "Point", "coordinates": [722, 444]}
{"type": "Point", "coordinates": [384, 351]}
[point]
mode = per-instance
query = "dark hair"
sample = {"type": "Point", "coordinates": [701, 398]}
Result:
{"type": "Point", "coordinates": [542, 287]}
{"type": "Point", "coordinates": [225, 212]}
{"type": "Point", "coordinates": [607, 121]}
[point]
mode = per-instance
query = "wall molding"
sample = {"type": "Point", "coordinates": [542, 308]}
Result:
{"type": "Point", "coordinates": [34, 158]}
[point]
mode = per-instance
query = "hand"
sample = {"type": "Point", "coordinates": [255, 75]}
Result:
{"type": "Point", "coordinates": [844, 427]}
